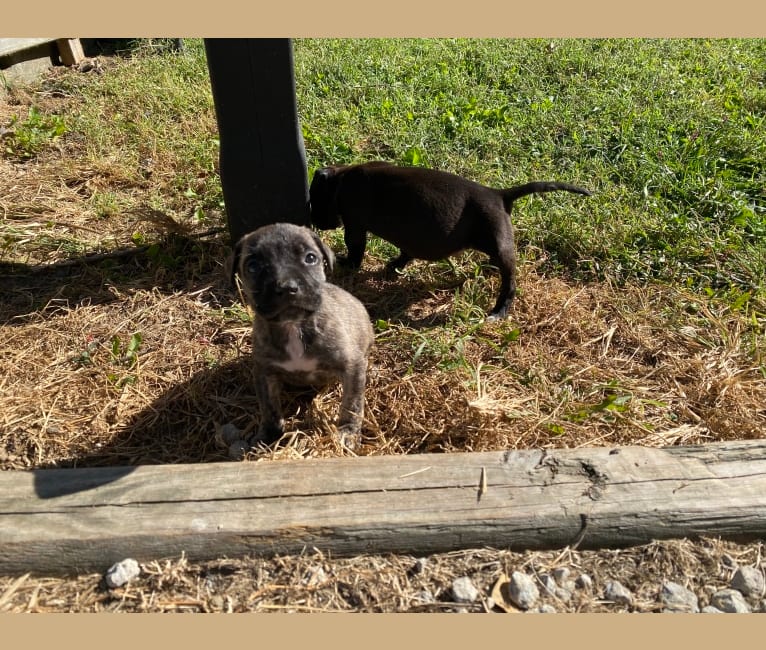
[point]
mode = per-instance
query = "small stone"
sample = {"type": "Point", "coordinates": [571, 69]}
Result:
{"type": "Point", "coordinates": [523, 590]}
{"type": "Point", "coordinates": [564, 584]}
{"type": "Point", "coordinates": [730, 601]}
{"type": "Point", "coordinates": [561, 575]}
{"type": "Point", "coordinates": [548, 583]}
{"type": "Point", "coordinates": [424, 596]}
{"type": "Point", "coordinates": [552, 588]}
{"type": "Point", "coordinates": [584, 582]}
{"type": "Point", "coordinates": [749, 581]}
{"type": "Point", "coordinates": [709, 609]}
{"type": "Point", "coordinates": [728, 561]}
{"type": "Point", "coordinates": [543, 609]}
{"type": "Point", "coordinates": [420, 565]}
{"type": "Point", "coordinates": [464, 591]}
{"type": "Point", "coordinates": [315, 576]}
{"type": "Point", "coordinates": [617, 593]}
{"type": "Point", "coordinates": [121, 573]}
{"type": "Point", "coordinates": [563, 594]}
{"type": "Point", "coordinates": [677, 598]}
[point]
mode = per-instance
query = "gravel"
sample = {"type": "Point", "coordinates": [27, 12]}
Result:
{"type": "Point", "coordinates": [464, 591]}
{"type": "Point", "coordinates": [554, 587]}
{"type": "Point", "coordinates": [548, 583]}
{"type": "Point", "coordinates": [677, 598]}
{"type": "Point", "coordinates": [523, 590]}
{"type": "Point", "coordinates": [121, 573]}
{"type": "Point", "coordinates": [543, 609]}
{"type": "Point", "coordinates": [708, 576]}
{"type": "Point", "coordinates": [420, 565]}
{"type": "Point", "coordinates": [730, 601]}
{"type": "Point", "coordinates": [749, 581]}
{"type": "Point", "coordinates": [616, 592]}
{"type": "Point", "coordinates": [561, 576]}
{"type": "Point", "coordinates": [584, 582]}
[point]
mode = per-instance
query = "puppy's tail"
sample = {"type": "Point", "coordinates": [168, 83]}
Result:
{"type": "Point", "coordinates": [512, 193]}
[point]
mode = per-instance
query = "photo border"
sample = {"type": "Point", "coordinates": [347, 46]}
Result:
{"type": "Point", "coordinates": [343, 18]}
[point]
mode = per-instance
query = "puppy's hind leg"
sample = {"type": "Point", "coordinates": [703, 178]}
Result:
{"type": "Point", "coordinates": [268, 392]}
{"type": "Point", "coordinates": [398, 263]}
{"type": "Point", "coordinates": [505, 259]}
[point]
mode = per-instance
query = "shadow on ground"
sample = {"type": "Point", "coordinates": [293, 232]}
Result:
{"type": "Point", "coordinates": [181, 424]}
{"type": "Point", "coordinates": [175, 263]}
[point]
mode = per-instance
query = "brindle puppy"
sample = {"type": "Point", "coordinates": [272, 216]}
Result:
{"type": "Point", "coordinates": [306, 331]}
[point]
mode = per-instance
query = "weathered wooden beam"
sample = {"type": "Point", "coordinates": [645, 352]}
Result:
{"type": "Point", "coordinates": [10, 46]}
{"type": "Point", "coordinates": [70, 520]}
{"type": "Point", "coordinates": [70, 51]}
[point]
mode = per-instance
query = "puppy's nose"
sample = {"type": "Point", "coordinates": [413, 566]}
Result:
{"type": "Point", "coordinates": [288, 287]}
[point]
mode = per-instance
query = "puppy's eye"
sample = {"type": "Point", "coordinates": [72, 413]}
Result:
{"type": "Point", "coordinates": [311, 259]}
{"type": "Point", "coordinates": [253, 267]}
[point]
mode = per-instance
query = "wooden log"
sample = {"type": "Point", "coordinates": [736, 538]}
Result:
{"type": "Point", "coordinates": [74, 520]}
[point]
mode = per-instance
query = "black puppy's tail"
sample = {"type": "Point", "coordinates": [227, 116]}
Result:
{"type": "Point", "coordinates": [512, 193]}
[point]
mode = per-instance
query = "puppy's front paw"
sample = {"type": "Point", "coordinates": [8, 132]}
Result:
{"type": "Point", "coordinates": [349, 437]}
{"type": "Point", "coordinates": [497, 315]}
{"type": "Point", "coordinates": [390, 270]}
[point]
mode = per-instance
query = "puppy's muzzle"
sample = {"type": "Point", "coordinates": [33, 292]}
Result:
{"type": "Point", "coordinates": [287, 288]}
{"type": "Point", "coordinates": [285, 298]}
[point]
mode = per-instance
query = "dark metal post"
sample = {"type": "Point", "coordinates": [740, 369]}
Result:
{"type": "Point", "coordinates": [262, 158]}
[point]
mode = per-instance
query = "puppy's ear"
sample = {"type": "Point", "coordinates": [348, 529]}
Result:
{"type": "Point", "coordinates": [329, 256]}
{"type": "Point", "coordinates": [324, 173]}
{"type": "Point", "coordinates": [323, 194]}
{"type": "Point", "coordinates": [236, 255]}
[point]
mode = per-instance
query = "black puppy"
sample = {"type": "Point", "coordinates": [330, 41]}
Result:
{"type": "Point", "coordinates": [428, 214]}
{"type": "Point", "coordinates": [306, 331]}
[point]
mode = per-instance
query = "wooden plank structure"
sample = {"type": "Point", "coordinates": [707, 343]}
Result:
{"type": "Point", "coordinates": [9, 46]}
{"type": "Point", "coordinates": [69, 49]}
{"type": "Point", "coordinates": [73, 520]}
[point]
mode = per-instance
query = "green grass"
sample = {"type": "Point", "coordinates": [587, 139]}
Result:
{"type": "Point", "coordinates": [25, 139]}
{"type": "Point", "coordinates": [669, 134]}
{"type": "Point", "coordinates": [153, 115]}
